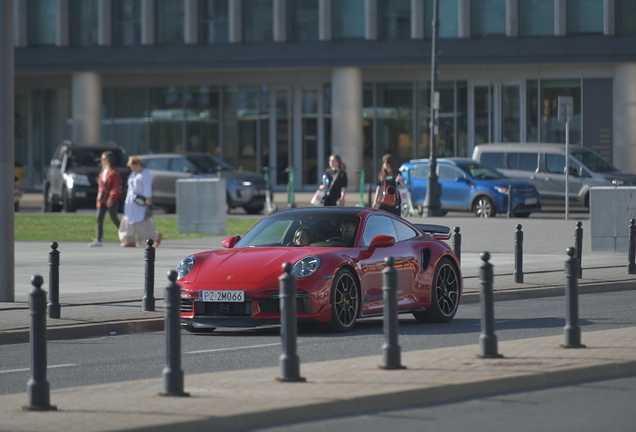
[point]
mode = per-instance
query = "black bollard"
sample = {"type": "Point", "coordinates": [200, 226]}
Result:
{"type": "Point", "coordinates": [38, 392]}
{"type": "Point", "coordinates": [289, 360]}
{"type": "Point", "coordinates": [54, 281]}
{"type": "Point", "coordinates": [631, 257]}
{"type": "Point", "coordinates": [172, 373]}
{"type": "Point", "coordinates": [391, 348]}
{"type": "Point", "coordinates": [487, 339]}
{"type": "Point", "coordinates": [148, 302]}
{"type": "Point", "coordinates": [572, 331]}
{"type": "Point", "coordinates": [511, 213]}
{"type": "Point", "coordinates": [518, 273]}
{"type": "Point", "coordinates": [457, 244]}
{"type": "Point", "coordinates": [578, 245]}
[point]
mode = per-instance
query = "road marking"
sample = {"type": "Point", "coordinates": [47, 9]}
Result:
{"type": "Point", "coordinates": [28, 369]}
{"type": "Point", "coordinates": [235, 348]}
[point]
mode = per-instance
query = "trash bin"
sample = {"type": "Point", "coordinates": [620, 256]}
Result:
{"type": "Point", "coordinates": [201, 206]}
{"type": "Point", "coordinates": [611, 209]}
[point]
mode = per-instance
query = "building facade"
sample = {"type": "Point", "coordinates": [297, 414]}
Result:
{"type": "Point", "coordinates": [286, 83]}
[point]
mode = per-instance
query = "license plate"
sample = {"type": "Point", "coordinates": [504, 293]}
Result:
{"type": "Point", "coordinates": [222, 296]}
{"type": "Point", "coordinates": [530, 201]}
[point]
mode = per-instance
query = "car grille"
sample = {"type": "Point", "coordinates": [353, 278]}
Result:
{"type": "Point", "coordinates": [223, 309]}
{"type": "Point", "coordinates": [273, 305]}
{"type": "Point", "coordinates": [186, 305]}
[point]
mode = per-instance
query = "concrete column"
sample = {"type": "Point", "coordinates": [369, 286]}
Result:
{"type": "Point", "coordinates": [280, 20]}
{"type": "Point", "coordinates": [512, 18]}
{"type": "Point", "coordinates": [63, 37]}
{"type": "Point", "coordinates": [104, 23]}
{"type": "Point", "coordinates": [7, 153]}
{"type": "Point", "coordinates": [346, 115]}
{"type": "Point", "coordinates": [191, 22]}
{"type": "Point", "coordinates": [609, 17]}
{"type": "Point", "coordinates": [371, 19]}
{"type": "Point", "coordinates": [147, 22]}
{"type": "Point", "coordinates": [624, 106]}
{"type": "Point", "coordinates": [417, 19]}
{"type": "Point", "coordinates": [463, 19]}
{"type": "Point", "coordinates": [324, 20]}
{"type": "Point", "coordinates": [235, 18]}
{"type": "Point", "coordinates": [87, 108]}
{"type": "Point", "coordinates": [21, 30]}
{"type": "Point", "coordinates": [560, 18]}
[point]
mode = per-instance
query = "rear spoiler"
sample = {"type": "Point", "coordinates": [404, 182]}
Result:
{"type": "Point", "coordinates": [438, 232]}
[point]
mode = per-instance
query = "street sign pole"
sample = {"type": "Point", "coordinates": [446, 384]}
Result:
{"type": "Point", "coordinates": [564, 113]}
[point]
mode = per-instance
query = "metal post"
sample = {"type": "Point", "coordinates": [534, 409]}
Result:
{"type": "Point", "coordinates": [518, 273]}
{"type": "Point", "coordinates": [578, 244]}
{"type": "Point", "coordinates": [391, 348]}
{"type": "Point", "coordinates": [290, 188]}
{"type": "Point", "coordinates": [54, 281]}
{"type": "Point", "coordinates": [38, 391]}
{"type": "Point", "coordinates": [572, 331]}
{"type": "Point", "coordinates": [487, 339]}
{"type": "Point", "coordinates": [148, 301]}
{"type": "Point", "coordinates": [269, 197]}
{"type": "Point", "coordinates": [361, 200]}
{"type": "Point", "coordinates": [370, 189]}
{"type": "Point", "coordinates": [631, 258]}
{"type": "Point", "coordinates": [289, 361]}
{"type": "Point", "coordinates": [172, 373]}
{"type": "Point", "coordinates": [457, 244]}
{"type": "Point", "coordinates": [511, 213]}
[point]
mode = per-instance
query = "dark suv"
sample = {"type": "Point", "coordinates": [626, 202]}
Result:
{"type": "Point", "coordinates": [70, 181]}
{"type": "Point", "coordinates": [244, 188]}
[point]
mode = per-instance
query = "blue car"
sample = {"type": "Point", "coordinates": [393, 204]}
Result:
{"type": "Point", "coordinates": [468, 185]}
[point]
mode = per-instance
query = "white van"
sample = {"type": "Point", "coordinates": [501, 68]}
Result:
{"type": "Point", "coordinates": [544, 166]}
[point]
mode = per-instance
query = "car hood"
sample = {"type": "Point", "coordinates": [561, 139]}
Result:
{"type": "Point", "coordinates": [627, 178]}
{"type": "Point", "coordinates": [240, 177]}
{"type": "Point", "coordinates": [517, 184]}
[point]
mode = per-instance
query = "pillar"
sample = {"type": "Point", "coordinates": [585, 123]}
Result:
{"type": "Point", "coordinates": [624, 106]}
{"type": "Point", "coordinates": [87, 108]}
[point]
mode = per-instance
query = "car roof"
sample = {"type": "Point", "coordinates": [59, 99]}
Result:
{"type": "Point", "coordinates": [175, 155]}
{"type": "Point", "coordinates": [106, 145]}
{"type": "Point", "coordinates": [454, 160]}
{"type": "Point", "coordinates": [526, 146]}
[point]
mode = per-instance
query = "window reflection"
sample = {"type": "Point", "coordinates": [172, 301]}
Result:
{"type": "Point", "coordinates": [585, 16]}
{"type": "Point", "coordinates": [625, 17]}
{"type": "Point", "coordinates": [394, 19]}
{"type": "Point", "coordinates": [169, 22]}
{"type": "Point", "coordinates": [258, 24]}
{"type": "Point", "coordinates": [126, 22]}
{"type": "Point", "coordinates": [83, 23]}
{"type": "Point", "coordinates": [348, 19]}
{"type": "Point", "coordinates": [302, 20]}
{"type": "Point", "coordinates": [42, 20]}
{"type": "Point", "coordinates": [213, 21]}
{"type": "Point", "coordinates": [536, 18]}
{"type": "Point", "coordinates": [488, 18]}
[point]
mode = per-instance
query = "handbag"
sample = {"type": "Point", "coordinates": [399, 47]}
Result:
{"type": "Point", "coordinates": [389, 196]}
{"type": "Point", "coordinates": [102, 196]}
{"type": "Point", "coordinates": [318, 197]}
{"type": "Point", "coordinates": [139, 200]}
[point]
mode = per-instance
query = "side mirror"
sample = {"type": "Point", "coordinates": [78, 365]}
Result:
{"type": "Point", "coordinates": [230, 242]}
{"type": "Point", "coordinates": [382, 241]}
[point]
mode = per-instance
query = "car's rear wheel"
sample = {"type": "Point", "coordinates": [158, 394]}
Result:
{"type": "Point", "coordinates": [190, 328]}
{"type": "Point", "coordinates": [444, 294]}
{"type": "Point", "coordinates": [67, 203]}
{"type": "Point", "coordinates": [345, 302]}
{"type": "Point", "coordinates": [484, 207]}
{"type": "Point", "coordinates": [254, 209]}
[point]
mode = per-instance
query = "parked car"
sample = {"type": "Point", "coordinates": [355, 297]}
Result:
{"type": "Point", "coordinates": [338, 279]}
{"type": "Point", "coordinates": [544, 166]}
{"type": "Point", "coordinates": [70, 180]}
{"type": "Point", "coordinates": [244, 188]}
{"type": "Point", "coordinates": [468, 185]}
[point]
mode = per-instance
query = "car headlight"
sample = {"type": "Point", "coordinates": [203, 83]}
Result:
{"type": "Point", "coordinates": [76, 179]}
{"type": "Point", "coordinates": [615, 181]}
{"type": "Point", "coordinates": [306, 267]}
{"type": "Point", "coordinates": [184, 267]}
{"type": "Point", "coordinates": [502, 190]}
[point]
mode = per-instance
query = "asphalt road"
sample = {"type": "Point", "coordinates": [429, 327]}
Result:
{"type": "Point", "coordinates": [137, 356]}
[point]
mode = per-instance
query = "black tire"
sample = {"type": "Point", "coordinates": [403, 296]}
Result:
{"type": "Point", "coordinates": [345, 302]}
{"type": "Point", "coordinates": [444, 294]}
{"type": "Point", "coordinates": [188, 327]}
{"type": "Point", "coordinates": [254, 209]}
{"type": "Point", "coordinates": [484, 207]}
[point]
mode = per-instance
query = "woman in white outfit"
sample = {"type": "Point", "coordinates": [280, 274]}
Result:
{"type": "Point", "coordinates": [138, 199]}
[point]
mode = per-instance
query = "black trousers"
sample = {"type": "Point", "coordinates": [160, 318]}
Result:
{"type": "Point", "coordinates": [101, 213]}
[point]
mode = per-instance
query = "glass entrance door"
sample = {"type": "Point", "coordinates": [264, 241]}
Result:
{"type": "Point", "coordinates": [497, 112]}
{"type": "Point", "coordinates": [281, 138]}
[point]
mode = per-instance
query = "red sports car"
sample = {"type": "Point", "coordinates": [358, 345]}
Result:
{"type": "Point", "coordinates": [337, 255]}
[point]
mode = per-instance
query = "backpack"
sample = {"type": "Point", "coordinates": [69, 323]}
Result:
{"type": "Point", "coordinates": [389, 195]}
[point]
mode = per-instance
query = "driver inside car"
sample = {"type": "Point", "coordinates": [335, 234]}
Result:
{"type": "Point", "coordinates": [348, 230]}
{"type": "Point", "coordinates": [302, 237]}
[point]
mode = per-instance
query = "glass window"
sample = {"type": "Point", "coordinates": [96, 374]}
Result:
{"type": "Point", "coordinates": [625, 17]}
{"type": "Point", "coordinates": [83, 23]}
{"type": "Point", "coordinates": [309, 133]}
{"type": "Point", "coordinates": [447, 15]}
{"type": "Point", "coordinates": [377, 225]}
{"type": "Point", "coordinates": [536, 18]}
{"type": "Point", "coordinates": [585, 16]}
{"type": "Point", "coordinates": [532, 111]}
{"type": "Point", "coordinates": [461, 114]}
{"type": "Point", "coordinates": [394, 123]}
{"type": "Point", "coordinates": [394, 19]}
{"type": "Point", "coordinates": [126, 22]}
{"type": "Point", "coordinates": [368, 123]}
{"type": "Point", "coordinates": [420, 172]}
{"type": "Point", "coordinates": [404, 232]}
{"type": "Point", "coordinates": [348, 19]}
{"type": "Point", "coordinates": [213, 21]}
{"type": "Point", "coordinates": [156, 164]}
{"type": "Point", "coordinates": [510, 113]}
{"type": "Point", "coordinates": [302, 18]}
{"type": "Point", "coordinates": [258, 21]}
{"type": "Point", "coordinates": [555, 164]}
{"type": "Point", "coordinates": [202, 120]}
{"type": "Point", "coordinates": [448, 173]}
{"type": "Point", "coordinates": [169, 22]}
{"type": "Point", "coordinates": [125, 115]}
{"type": "Point", "coordinates": [553, 131]}
{"type": "Point", "coordinates": [41, 22]}
{"type": "Point", "coordinates": [244, 125]}
{"type": "Point", "coordinates": [181, 165]}
{"type": "Point", "coordinates": [165, 122]}
{"type": "Point", "coordinates": [523, 161]}
{"type": "Point", "coordinates": [494, 159]}
{"type": "Point", "coordinates": [488, 18]}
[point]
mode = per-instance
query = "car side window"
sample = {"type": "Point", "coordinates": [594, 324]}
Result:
{"type": "Point", "coordinates": [495, 159]}
{"type": "Point", "coordinates": [404, 232]}
{"type": "Point", "coordinates": [181, 165]}
{"type": "Point", "coordinates": [448, 173]}
{"type": "Point", "coordinates": [419, 172]}
{"type": "Point", "coordinates": [156, 164]}
{"type": "Point", "coordinates": [523, 161]}
{"type": "Point", "coordinates": [555, 163]}
{"type": "Point", "coordinates": [377, 225]}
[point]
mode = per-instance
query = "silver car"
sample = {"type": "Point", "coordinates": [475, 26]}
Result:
{"type": "Point", "coordinates": [244, 188]}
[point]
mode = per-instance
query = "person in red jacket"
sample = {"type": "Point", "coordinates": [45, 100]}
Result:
{"type": "Point", "coordinates": [108, 194]}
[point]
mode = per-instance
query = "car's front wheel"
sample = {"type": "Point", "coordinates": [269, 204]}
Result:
{"type": "Point", "coordinates": [345, 302]}
{"type": "Point", "coordinates": [484, 207]}
{"type": "Point", "coordinates": [444, 294]}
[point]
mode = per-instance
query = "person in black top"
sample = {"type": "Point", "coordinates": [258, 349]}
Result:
{"type": "Point", "coordinates": [386, 193]}
{"type": "Point", "coordinates": [337, 182]}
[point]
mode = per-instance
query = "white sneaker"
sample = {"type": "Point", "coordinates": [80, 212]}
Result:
{"type": "Point", "coordinates": [95, 243]}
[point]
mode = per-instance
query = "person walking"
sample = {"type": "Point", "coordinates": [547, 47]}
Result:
{"type": "Point", "coordinates": [337, 175]}
{"type": "Point", "coordinates": [386, 193]}
{"type": "Point", "coordinates": [108, 194]}
{"type": "Point", "coordinates": [137, 216]}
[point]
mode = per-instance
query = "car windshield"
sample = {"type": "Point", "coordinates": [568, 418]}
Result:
{"type": "Point", "coordinates": [593, 161]}
{"type": "Point", "coordinates": [304, 228]}
{"type": "Point", "coordinates": [480, 172]}
{"type": "Point", "coordinates": [86, 157]}
{"type": "Point", "coordinates": [209, 164]}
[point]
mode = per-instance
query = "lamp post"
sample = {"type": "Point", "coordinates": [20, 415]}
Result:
{"type": "Point", "coordinates": [432, 204]}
